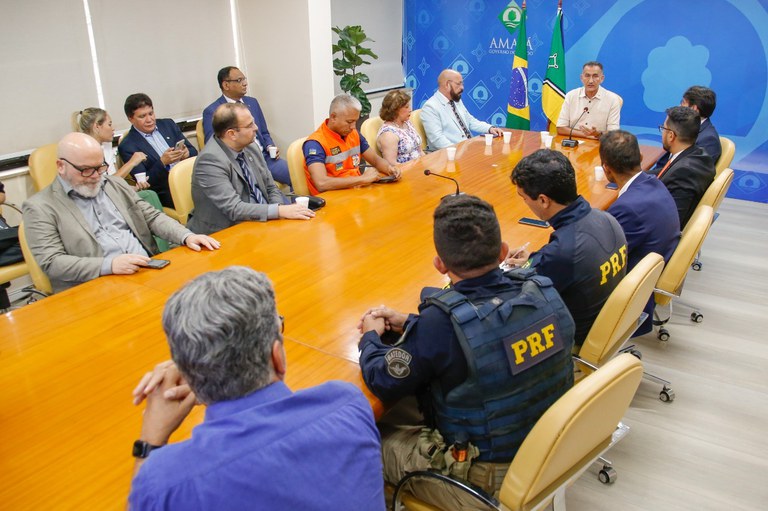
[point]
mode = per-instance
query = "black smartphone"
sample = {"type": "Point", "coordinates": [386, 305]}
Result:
{"type": "Point", "coordinates": [156, 264]}
{"type": "Point", "coordinates": [388, 179]}
{"type": "Point", "coordinates": [612, 186]}
{"type": "Point", "coordinates": [534, 222]}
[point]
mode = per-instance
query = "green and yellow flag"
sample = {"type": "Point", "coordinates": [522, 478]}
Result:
{"type": "Point", "coordinates": [553, 90]}
{"type": "Point", "coordinates": [518, 110]}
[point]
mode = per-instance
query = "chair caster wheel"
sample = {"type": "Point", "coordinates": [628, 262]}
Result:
{"type": "Point", "coordinates": [697, 317]}
{"type": "Point", "coordinates": [667, 395]}
{"type": "Point", "coordinates": [663, 334]}
{"type": "Point", "coordinates": [636, 353]}
{"type": "Point", "coordinates": [696, 266]}
{"type": "Point", "coordinates": [607, 475]}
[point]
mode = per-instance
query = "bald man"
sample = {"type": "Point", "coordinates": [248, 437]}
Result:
{"type": "Point", "coordinates": [86, 224]}
{"type": "Point", "coordinates": [446, 119]}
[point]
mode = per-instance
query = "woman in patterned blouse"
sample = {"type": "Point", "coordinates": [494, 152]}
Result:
{"type": "Point", "coordinates": [397, 138]}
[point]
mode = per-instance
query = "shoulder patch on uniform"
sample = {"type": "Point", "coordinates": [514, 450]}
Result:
{"type": "Point", "coordinates": [335, 150]}
{"type": "Point", "coordinates": [312, 151]}
{"type": "Point", "coordinates": [398, 363]}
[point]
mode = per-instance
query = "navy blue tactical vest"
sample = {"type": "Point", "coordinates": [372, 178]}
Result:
{"type": "Point", "coordinates": [518, 350]}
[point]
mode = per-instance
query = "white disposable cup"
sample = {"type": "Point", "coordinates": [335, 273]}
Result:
{"type": "Point", "coordinates": [272, 152]}
{"type": "Point", "coordinates": [451, 152]}
{"type": "Point", "coordinates": [599, 173]}
{"type": "Point", "coordinates": [507, 137]}
{"type": "Point", "coordinates": [544, 135]}
{"type": "Point", "coordinates": [304, 201]}
{"type": "Point", "coordinates": [488, 139]}
{"type": "Point", "coordinates": [548, 141]}
{"type": "Point", "coordinates": [141, 177]}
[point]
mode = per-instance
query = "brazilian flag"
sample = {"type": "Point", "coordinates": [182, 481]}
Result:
{"type": "Point", "coordinates": [553, 89]}
{"type": "Point", "coordinates": [518, 110]}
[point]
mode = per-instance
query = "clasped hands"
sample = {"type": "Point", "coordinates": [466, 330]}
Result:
{"type": "Point", "coordinates": [382, 319]}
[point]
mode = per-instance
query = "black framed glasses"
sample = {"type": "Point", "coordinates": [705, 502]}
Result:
{"type": "Point", "coordinates": [663, 128]}
{"type": "Point", "coordinates": [238, 80]}
{"type": "Point", "coordinates": [88, 171]}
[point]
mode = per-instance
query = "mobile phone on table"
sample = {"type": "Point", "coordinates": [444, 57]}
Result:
{"type": "Point", "coordinates": [534, 222]}
{"type": "Point", "coordinates": [179, 145]}
{"type": "Point", "coordinates": [156, 264]}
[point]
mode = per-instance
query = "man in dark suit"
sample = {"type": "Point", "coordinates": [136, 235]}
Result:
{"type": "Point", "coordinates": [158, 139]}
{"type": "Point", "coordinates": [690, 170]}
{"type": "Point", "coordinates": [230, 181]}
{"type": "Point", "coordinates": [234, 85]}
{"type": "Point", "coordinates": [703, 100]}
{"type": "Point", "coordinates": [644, 209]}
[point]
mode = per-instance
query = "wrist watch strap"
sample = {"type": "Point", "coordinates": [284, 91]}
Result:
{"type": "Point", "coordinates": [141, 449]}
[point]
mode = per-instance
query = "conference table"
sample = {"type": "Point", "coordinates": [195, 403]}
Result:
{"type": "Point", "coordinates": [69, 362]}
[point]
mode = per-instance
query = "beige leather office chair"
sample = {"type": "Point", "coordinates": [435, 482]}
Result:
{"type": "Point", "coordinates": [713, 197]}
{"type": "Point", "coordinates": [39, 278]}
{"type": "Point", "coordinates": [180, 184]}
{"type": "Point", "coordinates": [416, 121]}
{"type": "Point", "coordinates": [13, 271]}
{"type": "Point", "coordinates": [42, 166]}
{"type": "Point", "coordinates": [670, 282]}
{"type": "Point", "coordinates": [727, 151]}
{"type": "Point", "coordinates": [566, 440]}
{"type": "Point", "coordinates": [295, 158]}
{"type": "Point", "coordinates": [370, 129]}
{"type": "Point", "coordinates": [200, 133]}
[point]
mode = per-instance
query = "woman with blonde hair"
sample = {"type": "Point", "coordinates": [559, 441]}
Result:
{"type": "Point", "coordinates": [97, 123]}
{"type": "Point", "coordinates": [397, 139]}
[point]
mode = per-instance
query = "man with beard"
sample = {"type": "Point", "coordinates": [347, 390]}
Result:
{"type": "Point", "coordinates": [86, 224]}
{"type": "Point", "coordinates": [446, 119]}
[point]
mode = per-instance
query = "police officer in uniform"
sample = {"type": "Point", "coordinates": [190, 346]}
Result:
{"type": "Point", "coordinates": [492, 344]}
{"type": "Point", "coordinates": [586, 256]}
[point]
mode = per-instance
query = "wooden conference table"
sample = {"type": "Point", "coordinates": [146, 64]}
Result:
{"type": "Point", "coordinates": [69, 362]}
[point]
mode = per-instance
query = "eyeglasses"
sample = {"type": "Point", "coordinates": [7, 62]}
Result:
{"type": "Point", "coordinates": [238, 80]}
{"type": "Point", "coordinates": [249, 127]}
{"type": "Point", "coordinates": [282, 324]}
{"type": "Point", "coordinates": [88, 171]}
{"type": "Point", "coordinates": [457, 83]}
{"type": "Point", "coordinates": [664, 128]}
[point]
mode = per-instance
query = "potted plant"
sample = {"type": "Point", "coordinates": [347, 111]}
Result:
{"type": "Point", "coordinates": [352, 53]}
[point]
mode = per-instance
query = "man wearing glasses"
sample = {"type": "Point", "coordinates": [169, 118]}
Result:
{"type": "Point", "coordinates": [230, 181]}
{"type": "Point", "coordinates": [446, 119]}
{"type": "Point", "coordinates": [86, 224]}
{"type": "Point", "coordinates": [690, 170]}
{"type": "Point", "coordinates": [234, 85]}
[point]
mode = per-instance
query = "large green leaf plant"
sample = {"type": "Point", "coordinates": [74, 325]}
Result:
{"type": "Point", "coordinates": [352, 55]}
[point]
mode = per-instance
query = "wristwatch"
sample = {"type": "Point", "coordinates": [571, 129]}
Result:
{"type": "Point", "coordinates": [141, 449]}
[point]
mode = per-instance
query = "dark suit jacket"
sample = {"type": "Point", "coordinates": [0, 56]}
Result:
{"type": "Point", "coordinates": [156, 171]}
{"type": "Point", "coordinates": [708, 139]}
{"type": "Point", "coordinates": [687, 179]}
{"type": "Point", "coordinates": [220, 191]}
{"type": "Point", "coordinates": [265, 139]}
{"type": "Point", "coordinates": [648, 215]}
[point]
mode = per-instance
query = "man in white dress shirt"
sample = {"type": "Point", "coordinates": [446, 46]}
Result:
{"type": "Point", "coordinates": [590, 110]}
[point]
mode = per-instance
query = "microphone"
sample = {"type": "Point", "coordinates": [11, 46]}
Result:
{"type": "Point", "coordinates": [428, 172]}
{"type": "Point", "coordinates": [570, 142]}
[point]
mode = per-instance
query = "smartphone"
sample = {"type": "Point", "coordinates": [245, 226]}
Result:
{"type": "Point", "coordinates": [612, 186]}
{"type": "Point", "coordinates": [156, 264]}
{"type": "Point", "coordinates": [179, 145]}
{"type": "Point", "coordinates": [534, 222]}
{"type": "Point", "coordinates": [388, 179]}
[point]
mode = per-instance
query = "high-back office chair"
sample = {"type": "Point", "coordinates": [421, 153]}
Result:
{"type": "Point", "coordinates": [39, 278]}
{"type": "Point", "coordinates": [180, 184]}
{"type": "Point", "coordinates": [670, 282]}
{"type": "Point", "coordinates": [565, 441]}
{"type": "Point", "coordinates": [619, 318]}
{"type": "Point", "coordinates": [295, 158]}
{"type": "Point", "coordinates": [200, 133]}
{"type": "Point", "coordinates": [42, 166]}
{"type": "Point", "coordinates": [713, 197]}
{"type": "Point", "coordinates": [727, 151]}
{"type": "Point", "coordinates": [10, 272]}
{"type": "Point", "coordinates": [416, 121]}
{"type": "Point", "coordinates": [370, 129]}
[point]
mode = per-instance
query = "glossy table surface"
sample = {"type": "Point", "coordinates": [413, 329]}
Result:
{"type": "Point", "coordinates": [69, 362]}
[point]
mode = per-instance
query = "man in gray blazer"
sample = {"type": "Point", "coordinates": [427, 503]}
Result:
{"type": "Point", "coordinates": [231, 182]}
{"type": "Point", "coordinates": [86, 224]}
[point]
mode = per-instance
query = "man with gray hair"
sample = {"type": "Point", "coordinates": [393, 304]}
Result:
{"type": "Point", "coordinates": [260, 445]}
{"type": "Point", "coordinates": [332, 153]}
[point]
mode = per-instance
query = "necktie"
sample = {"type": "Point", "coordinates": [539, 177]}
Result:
{"type": "Point", "coordinates": [253, 189]}
{"type": "Point", "coordinates": [664, 169]}
{"type": "Point", "coordinates": [461, 122]}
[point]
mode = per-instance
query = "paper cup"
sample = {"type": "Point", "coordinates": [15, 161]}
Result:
{"type": "Point", "coordinates": [488, 139]}
{"type": "Point", "coordinates": [141, 177]}
{"type": "Point", "coordinates": [304, 201]}
{"type": "Point", "coordinates": [507, 137]}
{"type": "Point", "coordinates": [599, 173]}
{"type": "Point", "coordinates": [272, 152]}
{"type": "Point", "coordinates": [544, 135]}
{"type": "Point", "coordinates": [451, 152]}
{"type": "Point", "coordinates": [548, 141]}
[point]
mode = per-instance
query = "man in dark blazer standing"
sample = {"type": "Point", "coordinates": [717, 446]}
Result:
{"type": "Point", "coordinates": [230, 181]}
{"type": "Point", "coordinates": [690, 170]}
{"type": "Point", "coordinates": [234, 85]}
{"type": "Point", "coordinates": [157, 138]}
{"type": "Point", "coordinates": [644, 209]}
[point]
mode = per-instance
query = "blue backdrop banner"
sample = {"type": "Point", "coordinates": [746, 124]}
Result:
{"type": "Point", "coordinates": [651, 50]}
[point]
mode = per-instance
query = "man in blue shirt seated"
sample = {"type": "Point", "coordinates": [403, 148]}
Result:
{"type": "Point", "coordinates": [586, 256]}
{"type": "Point", "coordinates": [260, 446]}
{"type": "Point", "coordinates": [485, 358]}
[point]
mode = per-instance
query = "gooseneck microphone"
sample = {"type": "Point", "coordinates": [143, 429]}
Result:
{"type": "Point", "coordinates": [428, 172]}
{"type": "Point", "coordinates": [570, 142]}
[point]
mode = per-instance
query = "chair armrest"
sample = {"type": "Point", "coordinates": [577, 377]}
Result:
{"type": "Point", "coordinates": [465, 486]}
